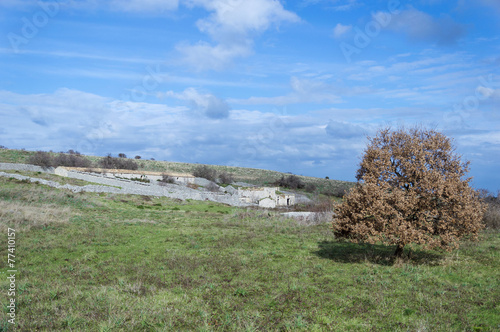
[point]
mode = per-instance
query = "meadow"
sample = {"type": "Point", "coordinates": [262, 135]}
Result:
{"type": "Point", "coordinates": [107, 262]}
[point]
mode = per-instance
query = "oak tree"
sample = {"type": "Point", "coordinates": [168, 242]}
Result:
{"type": "Point", "coordinates": [412, 188]}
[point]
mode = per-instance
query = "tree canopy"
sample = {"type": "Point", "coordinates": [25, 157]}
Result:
{"type": "Point", "coordinates": [412, 188]}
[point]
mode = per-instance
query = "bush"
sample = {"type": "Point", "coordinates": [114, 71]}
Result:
{"type": "Point", "coordinates": [291, 182]}
{"type": "Point", "coordinates": [122, 155]}
{"type": "Point", "coordinates": [166, 179]}
{"type": "Point", "coordinates": [410, 190]}
{"type": "Point", "coordinates": [226, 178]}
{"type": "Point", "coordinates": [310, 187]}
{"type": "Point", "coordinates": [110, 162]}
{"type": "Point", "coordinates": [3, 147]}
{"type": "Point", "coordinates": [491, 218]}
{"type": "Point", "coordinates": [72, 160]}
{"type": "Point", "coordinates": [41, 158]}
{"type": "Point", "coordinates": [138, 157]}
{"type": "Point", "coordinates": [203, 171]}
{"type": "Point", "coordinates": [339, 191]}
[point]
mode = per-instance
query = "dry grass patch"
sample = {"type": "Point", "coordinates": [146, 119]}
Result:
{"type": "Point", "coordinates": [23, 216]}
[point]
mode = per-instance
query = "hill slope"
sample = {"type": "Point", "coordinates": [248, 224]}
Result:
{"type": "Point", "coordinates": [255, 176]}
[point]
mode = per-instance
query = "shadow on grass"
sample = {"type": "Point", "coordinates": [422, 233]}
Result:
{"type": "Point", "coordinates": [346, 252]}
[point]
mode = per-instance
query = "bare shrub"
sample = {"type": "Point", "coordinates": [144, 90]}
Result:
{"type": "Point", "coordinates": [72, 160]}
{"type": "Point", "coordinates": [41, 158]}
{"type": "Point", "coordinates": [225, 178]}
{"type": "Point", "coordinates": [338, 191]}
{"type": "Point", "coordinates": [110, 162]}
{"type": "Point", "coordinates": [203, 171]}
{"type": "Point", "coordinates": [310, 187]}
{"type": "Point", "coordinates": [410, 190]}
{"type": "Point", "coordinates": [165, 178]}
{"type": "Point", "coordinates": [291, 182]}
{"type": "Point", "coordinates": [491, 217]}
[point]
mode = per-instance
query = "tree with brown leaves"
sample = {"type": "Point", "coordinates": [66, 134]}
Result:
{"type": "Point", "coordinates": [411, 189]}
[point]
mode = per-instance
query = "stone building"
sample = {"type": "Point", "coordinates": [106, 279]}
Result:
{"type": "Point", "coordinates": [268, 197]}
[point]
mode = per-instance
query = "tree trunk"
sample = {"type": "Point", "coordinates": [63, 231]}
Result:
{"type": "Point", "coordinates": [399, 250]}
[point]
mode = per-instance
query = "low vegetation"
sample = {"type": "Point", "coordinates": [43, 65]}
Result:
{"type": "Point", "coordinates": [122, 162]}
{"type": "Point", "coordinates": [69, 159]}
{"type": "Point", "coordinates": [165, 179]}
{"type": "Point", "coordinates": [206, 172]}
{"type": "Point", "coordinates": [211, 174]}
{"type": "Point", "coordinates": [491, 216]}
{"type": "Point", "coordinates": [109, 262]}
{"type": "Point", "coordinates": [290, 182]}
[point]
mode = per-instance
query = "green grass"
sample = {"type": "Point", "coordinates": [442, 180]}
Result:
{"type": "Point", "coordinates": [137, 263]}
{"type": "Point", "coordinates": [14, 156]}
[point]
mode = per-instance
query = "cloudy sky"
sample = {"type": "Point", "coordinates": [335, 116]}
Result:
{"type": "Point", "coordinates": [293, 86]}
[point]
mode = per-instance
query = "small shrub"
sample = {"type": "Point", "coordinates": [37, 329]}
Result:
{"type": "Point", "coordinates": [203, 171]}
{"type": "Point", "coordinates": [291, 182]}
{"type": "Point", "coordinates": [138, 157]}
{"type": "Point", "coordinates": [141, 179]}
{"type": "Point", "coordinates": [491, 217]}
{"type": "Point", "coordinates": [122, 155]}
{"type": "Point", "coordinates": [110, 162]}
{"type": "Point", "coordinates": [72, 160]}
{"type": "Point", "coordinates": [41, 158]}
{"type": "Point", "coordinates": [339, 191]}
{"type": "Point", "coordinates": [166, 179]}
{"type": "Point", "coordinates": [226, 178]}
{"type": "Point", "coordinates": [3, 147]}
{"type": "Point", "coordinates": [310, 187]}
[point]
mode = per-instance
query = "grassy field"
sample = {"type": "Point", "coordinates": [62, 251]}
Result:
{"type": "Point", "coordinates": [106, 262]}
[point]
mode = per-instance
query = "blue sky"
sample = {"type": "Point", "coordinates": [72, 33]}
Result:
{"type": "Point", "coordinates": [293, 86]}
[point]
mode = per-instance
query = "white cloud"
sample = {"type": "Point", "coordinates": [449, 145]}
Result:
{"type": "Point", "coordinates": [303, 91]}
{"type": "Point", "coordinates": [208, 104]}
{"type": "Point", "coordinates": [340, 30]}
{"type": "Point", "coordinates": [204, 56]}
{"type": "Point", "coordinates": [344, 130]}
{"type": "Point", "coordinates": [89, 123]}
{"type": "Point", "coordinates": [421, 26]}
{"type": "Point", "coordinates": [231, 25]}
{"type": "Point", "coordinates": [488, 92]}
